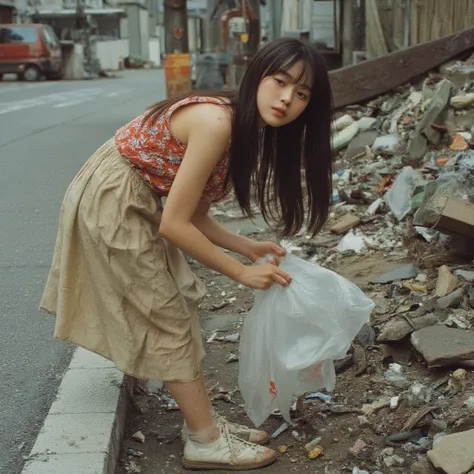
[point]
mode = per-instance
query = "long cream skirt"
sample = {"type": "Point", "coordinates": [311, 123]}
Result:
{"type": "Point", "coordinates": [116, 286]}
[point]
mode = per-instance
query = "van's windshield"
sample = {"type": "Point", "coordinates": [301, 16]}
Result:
{"type": "Point", "coordinates": [49, 36]}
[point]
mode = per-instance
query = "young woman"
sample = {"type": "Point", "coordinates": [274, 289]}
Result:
{"type": "Point", "coordinates": [119, 284]}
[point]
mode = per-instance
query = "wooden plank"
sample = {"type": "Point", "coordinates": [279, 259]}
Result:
{"type": "Point", "coordinates": [363, 81]}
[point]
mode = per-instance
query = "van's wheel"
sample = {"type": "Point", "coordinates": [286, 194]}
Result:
{"type": "Point", "coordinates": [1, 77]}
{"type": "Point", "coordinates": [31, 73]}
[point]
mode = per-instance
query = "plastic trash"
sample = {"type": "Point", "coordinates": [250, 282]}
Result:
{"type": "Point", "coordinates": [398, 197]}
{"type": "Point", "coordinates": [342, 138]}
{"type": "Point", "coordinates": [292, 335]}
{"type": "Point", "coordinates": [356, 242]}
{"type": "Point", "coordinates": [470, 402]}
{"type": "Point", "coordinates": [386, 143]}
{"type": "Point", "coordinates": [356, 470]}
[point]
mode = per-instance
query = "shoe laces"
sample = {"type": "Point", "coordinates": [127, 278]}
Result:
{"type": "Point", "coordinates": [224, 421]}
{"type": "Point", "coordinates": [235, 444]}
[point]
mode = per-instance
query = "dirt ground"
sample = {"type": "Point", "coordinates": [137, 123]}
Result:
{"type": "Point", "coordinates": [340, 423]}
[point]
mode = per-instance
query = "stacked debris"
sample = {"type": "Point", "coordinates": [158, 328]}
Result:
{"type": "Point", "coordinates": [405, 175]}
{"type": "Point", "coordinates": [404, 187]}
{"type": "Point", "coordinates": [403, 206]}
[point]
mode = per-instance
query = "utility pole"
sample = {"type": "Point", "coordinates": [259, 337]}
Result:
{"type": "Point", "coordinates": [176, 26]}
{"type": "Point", "coordinates": [244, 38]}
{"type": "Point", "coordinates": [82, 26]}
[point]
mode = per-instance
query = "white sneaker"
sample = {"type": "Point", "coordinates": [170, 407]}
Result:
{"type": "Point", "coordinates": [241, 431]}
{"type": "Point", "coordinates": [227, 453]}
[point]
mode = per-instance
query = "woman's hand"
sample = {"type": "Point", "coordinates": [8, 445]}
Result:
{"type": "Point", "coordinates": [258, 250]}
{"type": "Point", "coordinates": [263, 276]}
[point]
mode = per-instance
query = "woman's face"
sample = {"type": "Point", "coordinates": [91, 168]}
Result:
{"type": "Point", "coordinates": [281, 99]}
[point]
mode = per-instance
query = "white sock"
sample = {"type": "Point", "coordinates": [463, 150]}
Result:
{"type": "Point", "coordinates": [205, 436]}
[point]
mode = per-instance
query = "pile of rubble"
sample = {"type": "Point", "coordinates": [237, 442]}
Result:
{"type": "Point", "coordinates": [404, 191]}
{"type": "Point", "coordinates": [404, 185]}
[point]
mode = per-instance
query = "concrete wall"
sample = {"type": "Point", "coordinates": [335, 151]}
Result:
{"type": "Point", "coordinates": [155, 51]}
{"type": "Point", "coordinates": [144, 34]}
{"type": "Point", "coordinates": [108, 52]}
{"type": "Point", "coordinates": [136, 29]}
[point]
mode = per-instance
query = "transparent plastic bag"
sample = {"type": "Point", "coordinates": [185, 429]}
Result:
{"type": "Point", "coordinates": [292, 336]}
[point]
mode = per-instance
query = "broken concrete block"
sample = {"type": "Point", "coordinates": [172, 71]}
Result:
{"type": "Point", "coordinates": [363, 139]}
{"type": "Point", "coordinates": [453, 453]}
{"type": "Point", "coordinates": [465, 275]}
{"type": "Point", "coordinates": [452, 300]}
{"type": "Point", "coordinates": [418, 146]}
{"type": "Point", "coordinates": [446, 214]}
{"type": "Point", "coordinates": [441, 346]}
{"type": "Point", "coordinates": [438, 104]}
{"type": "Point", "coordinates": [345, 223]}
{"type": "Point", "coordinates": [446, 282]}
{"type": "Point", "coordinates": [404, 272]}
{"type": "Point", "coordinates": [398, 328]}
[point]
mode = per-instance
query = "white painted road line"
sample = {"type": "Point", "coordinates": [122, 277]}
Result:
{"type": "Point", "coordinates": [59, 100]}
{"type": "Point", "coordinates": [6, 87]}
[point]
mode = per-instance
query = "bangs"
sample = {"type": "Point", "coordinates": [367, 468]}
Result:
{"type": "Point", "coordinates": [285, 66]}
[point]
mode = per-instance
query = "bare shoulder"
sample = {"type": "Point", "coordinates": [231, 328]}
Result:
{"type": "Point", "coordinates": [202, 119]}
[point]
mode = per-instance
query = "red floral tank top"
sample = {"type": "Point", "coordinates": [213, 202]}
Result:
{"type": "Point", "coordinates": [157, 153]}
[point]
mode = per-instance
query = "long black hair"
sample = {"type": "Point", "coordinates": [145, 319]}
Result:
{"type": "Point", "coordinates": [289, 167]}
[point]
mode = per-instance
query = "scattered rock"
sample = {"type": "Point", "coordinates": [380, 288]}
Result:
{"type": "Point", "coordinates": [363, 140]}
{"type": "Point", "coordinates": [464, 274]}
{"type": "Point", "coordinates": [397, 329]}
{"type": "Point", "coordinates": [345, 223]}
{"type": "Point", "coordinates": [390, 459]}
{"type": "Point", "coordinates": [139, 436]}
{"type": "Point", "coordinates": [134, 468]}
{"type": "Point", "coordinates": [359, 445]}
{"type": "Point", "coordinates": [446, 283]}
{"type": "Point", "coordinates": [451, 300]}
{"type": "Point", "coordinates": [402, 273]}
{"type": "Point", "coordinates": [442, 346]}
{"type": "Point", "coordinates": [453, 453]}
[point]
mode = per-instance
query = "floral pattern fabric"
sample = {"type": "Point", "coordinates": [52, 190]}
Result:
{"type": "Point", "coordinates": [157, 153]}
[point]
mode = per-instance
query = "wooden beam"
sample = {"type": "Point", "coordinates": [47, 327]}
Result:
{"type": "Point", "coordinates": [363, 81]}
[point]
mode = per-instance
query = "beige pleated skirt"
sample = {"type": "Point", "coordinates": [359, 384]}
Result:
{"type": "Point", "coordinates": [116, 286]}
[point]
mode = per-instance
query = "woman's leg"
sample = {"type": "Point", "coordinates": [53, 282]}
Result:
{"type": "Point", "coordinates": [194, 403]}
{"type": "Point", "coordinates": [206, 447]}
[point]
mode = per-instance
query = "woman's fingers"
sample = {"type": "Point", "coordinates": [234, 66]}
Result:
{"type": "Point", "coordinates": [281, 277]}
{"type": "Point", "coordinates": [278, 250]}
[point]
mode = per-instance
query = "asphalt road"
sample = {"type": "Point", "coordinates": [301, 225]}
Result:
{"type": "Point", "coordinates": [47, 131]}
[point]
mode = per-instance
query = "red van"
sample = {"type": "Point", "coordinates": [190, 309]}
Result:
{"type": "Point", "coordinates": [30, 51]}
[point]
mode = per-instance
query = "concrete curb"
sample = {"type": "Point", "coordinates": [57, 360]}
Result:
{"type": "Point", "coordinates": [84, 428]}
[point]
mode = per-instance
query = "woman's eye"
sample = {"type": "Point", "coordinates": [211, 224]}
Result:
{"type": "Point", "coordinates": [302, 95]}
{"type": "Point", "coordinates": [279, 81]}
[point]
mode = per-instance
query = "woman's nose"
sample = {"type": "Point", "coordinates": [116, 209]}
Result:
{"type": "Point", "coordinates": [286, 96]}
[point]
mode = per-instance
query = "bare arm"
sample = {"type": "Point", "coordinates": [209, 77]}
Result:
{"type": "Point", "coordinates": [207, 130]}
{"type": "Point", "coordinates": [219, 235]}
